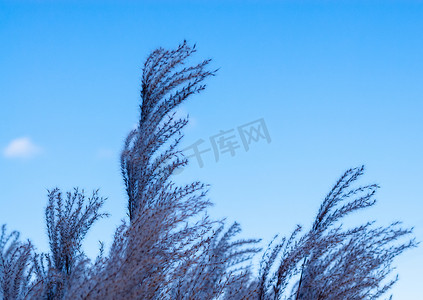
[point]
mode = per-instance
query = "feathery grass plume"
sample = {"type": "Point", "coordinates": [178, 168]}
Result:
{"type": "Point", "coordinates": [15, 270]}
{"type": "Point", "coordinates": [167, 231]}
{"type": "Point", "coordinates": [337, 263]}
{"type": "Point", "coordinates": [68, 220]}
{"type": "Point", "coordinates": [223, 271]}
{"type": "Point", "coordinates": [354, 263]}
{"type": "Point", "coordinates": [279, 265]}
{"type": "Point", "coordinates": [150, 156]}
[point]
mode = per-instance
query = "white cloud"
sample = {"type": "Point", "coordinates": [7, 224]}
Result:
{"type": "Point", "coordinates": [21, 148]}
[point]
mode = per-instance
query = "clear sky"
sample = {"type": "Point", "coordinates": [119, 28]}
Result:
{"type": "Point", "coordinates": [337, 83]}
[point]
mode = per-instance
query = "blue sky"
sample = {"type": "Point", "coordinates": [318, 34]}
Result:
{"type": "Point", "coordinates": [338, 84]}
